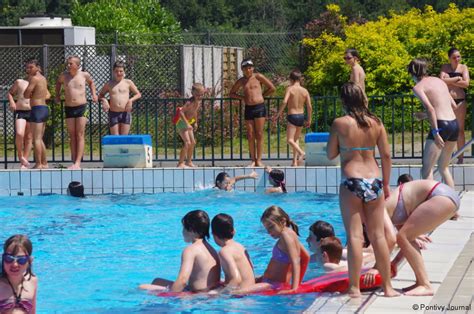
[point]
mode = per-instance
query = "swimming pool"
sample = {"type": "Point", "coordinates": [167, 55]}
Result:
{"type": "Point", "coordinates": [91, 254]}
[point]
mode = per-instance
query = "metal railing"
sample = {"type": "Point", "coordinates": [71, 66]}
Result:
{"type": "Point", "coordinates": [221, 134]}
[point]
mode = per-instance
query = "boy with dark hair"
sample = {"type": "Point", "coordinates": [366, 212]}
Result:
{"type": "Point", "coordinates": [200, 268]}
{"type": "Point", "coordinates": [235, 261]}
{"type": "Point", "coordinates": [296, 97]}
{"type": "Point", "coordinates": [225, 182]}
{"type": "Point", "coordinates": [317, 231]}
{"type": "Point", "coordinates": [120, 106]}
{"type": "Point", "coordinates": [255, 110]}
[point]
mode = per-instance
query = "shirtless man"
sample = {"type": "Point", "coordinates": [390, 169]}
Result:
{"type": "Point", "coordinates": [37, 92]}
{"type": "Point", "coordinates": [74, 81]}
{"type": "Point", "coordinates": [120, 106]}
{"type": "Point", "coordinates": [439, 105]}
{"type": "Point", "coordinates": [22, 110]}
{"type": "Point", "coordinates": [235, 261]}
{"type": "Point", "coordinates": [200, 268]}
{"type": "Point", "coordinates": [255, 110]}
{"type": "Point", "coordinates": [296, 96]}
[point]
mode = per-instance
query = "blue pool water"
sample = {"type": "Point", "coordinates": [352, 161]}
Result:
{"type": "Point", "coordinates": [91, 254]}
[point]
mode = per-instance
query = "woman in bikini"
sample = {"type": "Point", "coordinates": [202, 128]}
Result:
{"type": "Point", "coordinates": [361, 196]}
{"type": "Point", "coordinates": [415, 208]}
{"type": "Point", "coordinates": [456, 76]}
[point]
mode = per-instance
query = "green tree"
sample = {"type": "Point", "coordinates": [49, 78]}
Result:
{"type": "Point", "coordinates": [11, 11]}
{"type": "Point", "coordinates": [127, 16]}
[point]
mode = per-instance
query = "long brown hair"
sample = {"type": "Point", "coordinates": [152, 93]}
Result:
{"type": "Point", "coordinates": [279, 216]}
{"type": "Point", "coordinates": [355, 104]}
{"type": "Point", "coordinates": [18, 242]}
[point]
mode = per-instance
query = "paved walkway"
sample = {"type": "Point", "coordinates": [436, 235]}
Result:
{"type": "Point", "coordinates": [449, 263]}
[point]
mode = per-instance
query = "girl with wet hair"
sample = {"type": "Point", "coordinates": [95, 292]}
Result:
{"type": "Point", "coordinates": [276, 178]}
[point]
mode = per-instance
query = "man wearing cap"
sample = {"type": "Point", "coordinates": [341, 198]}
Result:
{"type": "Point", "coordinates": [255, 110]}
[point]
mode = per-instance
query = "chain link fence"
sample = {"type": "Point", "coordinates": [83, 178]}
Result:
{"type": "Point", "coordinates": [274, 54]}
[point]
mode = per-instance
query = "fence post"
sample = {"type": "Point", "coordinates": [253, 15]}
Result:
{"type": "Point", "coordinates": [208, 38]}
{"type": "Point", "coordinates": [5, 151]}
{"type": "Point", "coordinates": [301, 53]}
{"type": "Point", "coordinates": [45, 60]}
{"type": "Point", "coordinates": [113, 57]}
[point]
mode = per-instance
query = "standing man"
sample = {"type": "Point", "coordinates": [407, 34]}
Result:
{"type": "Point", "coordinates": [74, 81]}
{"type": "Point", "coordinates": [439, 105]}
{"type": "Point", "coordinates": [37, 92]}
{"type": "Point", "coordinates": [255, 110]}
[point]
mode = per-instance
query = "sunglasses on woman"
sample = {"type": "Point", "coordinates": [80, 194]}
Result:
{"type": "Point", "coordinates": [21, 259]}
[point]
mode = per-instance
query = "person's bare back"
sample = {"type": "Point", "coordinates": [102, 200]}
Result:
{"type": "Point", "coordinates": [206, 270]}
{"type": "Point", "coordinates": [237, 266]}
{"type": "Point", "coordinates": [434, 91]}
{"type": "Point", "coordinates": [297, 98]}
{"type": "Point", "coordinates": [18, 89]}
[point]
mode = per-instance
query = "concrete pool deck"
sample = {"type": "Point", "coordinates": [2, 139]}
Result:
{"type": "Point", "coordinates": [449, 263]}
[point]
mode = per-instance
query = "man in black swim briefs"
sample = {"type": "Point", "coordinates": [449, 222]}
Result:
{"type": "Point", "coordinates": [255, 110]}
{"type": "Point", "coordinates": [74, 81]}
{"type": "Point", "coordinates": [439, 106]}
{"type": "Point", "coordinates": [37, 92]}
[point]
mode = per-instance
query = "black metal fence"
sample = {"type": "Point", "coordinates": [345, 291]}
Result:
{"type": "Point", "coordinates": [221, 134]}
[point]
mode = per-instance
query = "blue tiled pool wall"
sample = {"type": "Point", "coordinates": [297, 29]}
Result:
{"type": "Point", "coordinates": [157, 180]}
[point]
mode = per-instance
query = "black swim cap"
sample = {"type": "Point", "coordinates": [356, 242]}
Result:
{"type": "Point", "coordinates": [75, 189]}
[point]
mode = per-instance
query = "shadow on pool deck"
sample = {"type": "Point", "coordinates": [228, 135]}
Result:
{"type": "Point", "coordinates": [449, 263]}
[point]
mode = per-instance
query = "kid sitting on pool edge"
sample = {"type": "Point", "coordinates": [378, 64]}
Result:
{"type": "Point", "coordinates": [235, 261]}
{"type": "Point", "coordinates": [200, 268]}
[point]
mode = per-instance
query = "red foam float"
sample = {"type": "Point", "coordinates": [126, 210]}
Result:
{"type": "Point", "coordinates": [333, 282]}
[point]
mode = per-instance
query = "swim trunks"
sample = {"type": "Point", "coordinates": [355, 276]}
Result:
{"type": "Point", "coordinates": [181, 125]}
{"type": "Point", "coordinates": [119, 117]}
{"type": "Point", "coordinates": [23, 114]}
{"type": "Point", "coordinates": [39, 114]}
{"type": "Point", "coordinates": [448, 130]}
{"type": "Point", "coordinates": [255, 111]}
{"type": "Point", "coordinates": [76, 111]}
{"type": "Point", "coordinates": [296, 119]}
{"type": "Point", "coordinates": [365, 189]}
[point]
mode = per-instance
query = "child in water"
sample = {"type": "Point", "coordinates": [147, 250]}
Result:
{"type": "Point", "coordinates": [187, 117]}
{"type": "Point", "coordinates": [225, 182]}
{"type": "Point", "coordinates": [276, 178]}
{"type": "Point", "coordinates": [18, 284]}
{"type": "Point", "coordinates": [235, 261]}
{"type": "Point", "coordinates": [331, 251]}
{"type": "Point", "coordinates": [289, 258]}
{"type": "Point", "coordinates": [200, 268]}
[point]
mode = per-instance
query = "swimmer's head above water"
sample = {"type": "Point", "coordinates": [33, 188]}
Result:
{"type": "Point", "coordinates": [75, 189]}
{"type": "Point", "coordinates": [223, 181]}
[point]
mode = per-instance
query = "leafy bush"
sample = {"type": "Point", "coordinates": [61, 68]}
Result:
{"type": "Point", "coordinates": [386, 46]}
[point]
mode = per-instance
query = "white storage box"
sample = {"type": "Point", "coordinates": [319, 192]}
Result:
{"type": "Point", "coordinates": [127, 151]}
{"type": "Point", "coordinates": [315, 149]}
